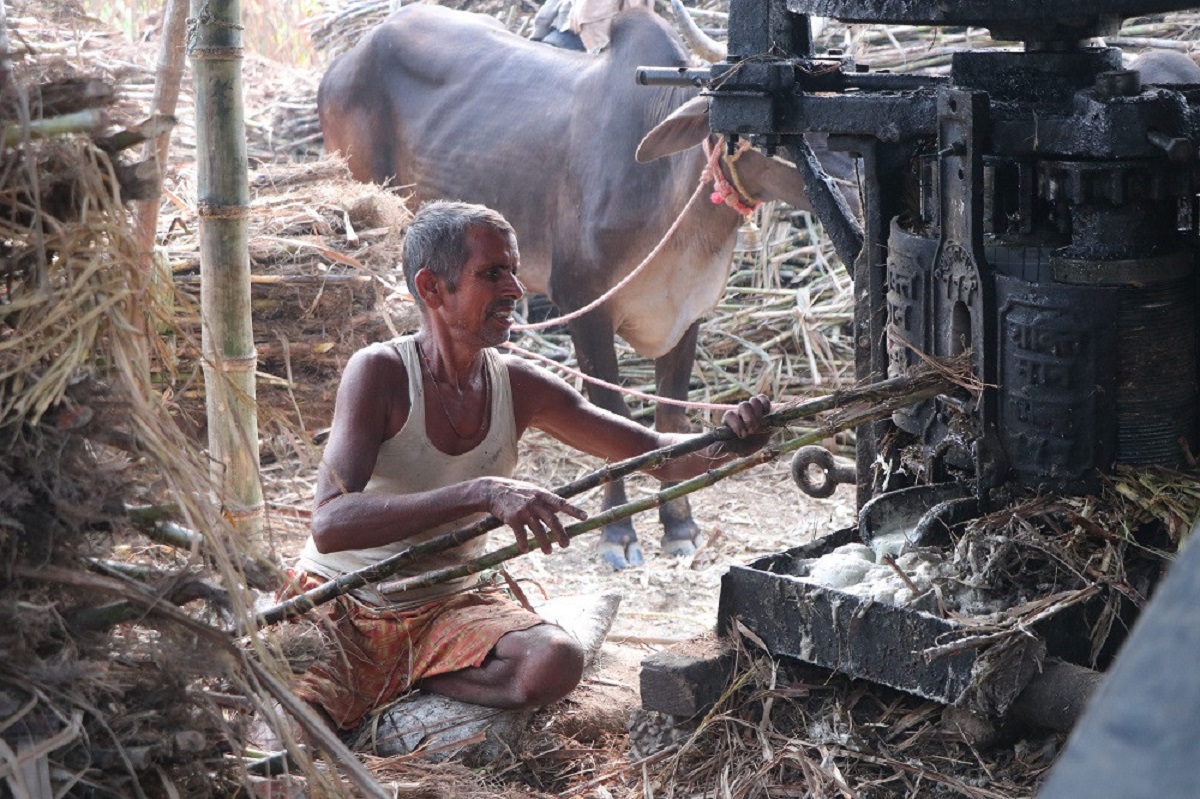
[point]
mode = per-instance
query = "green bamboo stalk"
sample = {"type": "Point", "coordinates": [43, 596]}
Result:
{"type": "Point", "coordinates": [223, 192]}
{"type": "Point", "coordinates": [155, 522]}
{"type": "Point", "coordinates": [87, 121]}
{"type": "Point", "coordinates": [150, 515]}
{"type": "Point", "coordinates": [168, 76]}
{"type": "Point", "coordinates": [883, 397]}
{"type": "Point", "coordinates": [173, 535]}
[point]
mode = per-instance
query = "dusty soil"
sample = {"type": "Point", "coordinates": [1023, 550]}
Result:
{"type": "Point", "coordinates": [668, 600]}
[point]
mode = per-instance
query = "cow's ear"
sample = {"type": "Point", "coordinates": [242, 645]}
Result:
{"type": "Point", "coordinates": [686, 127]}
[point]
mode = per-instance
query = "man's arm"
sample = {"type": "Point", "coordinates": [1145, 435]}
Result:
{"type": "Point", "coordinates": [548, 403]}
{"type": "Point", "coordinates": [371, 406]}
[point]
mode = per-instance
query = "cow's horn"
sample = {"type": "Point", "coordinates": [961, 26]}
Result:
{"type": "Point", "coordinates": [701, 43]}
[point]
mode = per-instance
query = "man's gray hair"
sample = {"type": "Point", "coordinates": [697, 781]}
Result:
{"type": "Point", "coordinates": [436, 240]}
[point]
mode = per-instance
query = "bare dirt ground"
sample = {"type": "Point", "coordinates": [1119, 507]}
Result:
{"type": "Point", "coordinates": [669, 598]}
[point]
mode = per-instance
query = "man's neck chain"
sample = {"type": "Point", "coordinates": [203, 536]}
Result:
{"type": "Point", "coordinates": [442, 400]}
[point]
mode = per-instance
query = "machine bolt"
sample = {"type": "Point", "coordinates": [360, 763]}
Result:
{"type": "Point", "coordinates": [1178, 150]}
{"type": "Point", "coordinates": [958, 148]}
{"type": "Point", "coordinates": [1119, 83]}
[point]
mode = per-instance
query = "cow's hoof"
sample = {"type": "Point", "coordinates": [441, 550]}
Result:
{"type": "Point", "coordinates": [621, 556]}
{"type": "Point", "coordinates": [678, 547]}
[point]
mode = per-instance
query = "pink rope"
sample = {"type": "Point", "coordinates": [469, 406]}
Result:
{"type": "Point", "coordinates": [704, 406]}
{"type": "Point", "coordinates": [729, 191]}
{"type": "Point", "coordinates": [705, 176]}
{"type": "Point", "coordinates": [723, 193]}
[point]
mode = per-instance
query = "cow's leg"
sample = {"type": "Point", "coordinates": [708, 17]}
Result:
{"type": "Point", "coordinates": [593, 337]}
{"type": "Point", "coordinates": [672, 373]}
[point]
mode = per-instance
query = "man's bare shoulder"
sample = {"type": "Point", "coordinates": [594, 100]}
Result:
{"type": "Point", "coordinates": [379, 355]}
{"type": "Point", "coordinates": [384, 351]}
{"type": "Point", "coordinates": [375, 365]}
{"type": "Point", "coordinates": [373, 394]}
{"type": "Point", "coordinates": [536, 391]}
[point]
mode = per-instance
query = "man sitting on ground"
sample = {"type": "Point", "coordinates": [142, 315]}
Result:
{"type": "Point", "coordinates": [424, 440]}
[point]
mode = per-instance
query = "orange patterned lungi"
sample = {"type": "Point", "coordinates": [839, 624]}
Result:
{"type": "Point", "coordinates": [377, 653]}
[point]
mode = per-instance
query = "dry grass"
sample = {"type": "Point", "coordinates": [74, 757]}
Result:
{"type": "Point", "coordinates": [111, 685]}
{"type": "Point", "coordinates": [121, 669]}
{"type": "Point", "coordinates": [787, 730]}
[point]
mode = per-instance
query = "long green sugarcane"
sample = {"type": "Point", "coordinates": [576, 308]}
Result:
{"type": "Point", "coordinates": [882, 399]}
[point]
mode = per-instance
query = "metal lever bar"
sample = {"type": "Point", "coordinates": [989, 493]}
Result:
{"type": "Point", "coordinates": [673, 76]}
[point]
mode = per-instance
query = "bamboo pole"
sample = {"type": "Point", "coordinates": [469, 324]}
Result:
{"type": "Point", "coordinates": [168, 76]}
{"type": "Point", "coordinates": [883, 397]}
{"type": "Point", "coordinates": [215, 47]}
{"type": "Point", "coordinates": [87, 121]}
{"type": "Point", "coordinates": [5, 62]}
{"type": "Point", "coordinates": [155, 271]}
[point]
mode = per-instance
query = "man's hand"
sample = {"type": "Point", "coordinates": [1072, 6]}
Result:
{"type": "Point", "coordinates": [526, 508]}
{"type": "Point", "coordinates": [746, 421]}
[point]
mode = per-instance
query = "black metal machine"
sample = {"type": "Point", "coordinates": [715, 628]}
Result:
{"type": "Point", "coordinates": [1036, 208]}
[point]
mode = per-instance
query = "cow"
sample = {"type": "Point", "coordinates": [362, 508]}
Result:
{"type": "Point", "coordinates": [450, 105]}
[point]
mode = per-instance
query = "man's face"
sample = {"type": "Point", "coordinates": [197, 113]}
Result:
{"type": "Point", "coordinates": [488, 289]}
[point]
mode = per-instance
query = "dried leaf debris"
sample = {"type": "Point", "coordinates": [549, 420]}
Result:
{"type": "Point", "coordinates": [118, 677]}
{"type": "Point", "coordinates": [108, 690]}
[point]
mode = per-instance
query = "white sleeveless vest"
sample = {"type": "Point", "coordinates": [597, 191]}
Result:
{"type": "Point", "coordinates": [409, 462]}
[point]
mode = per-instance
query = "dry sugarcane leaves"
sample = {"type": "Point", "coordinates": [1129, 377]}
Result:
{"type": "Point", "coordinates": [796, 730]}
